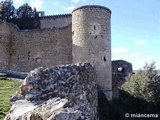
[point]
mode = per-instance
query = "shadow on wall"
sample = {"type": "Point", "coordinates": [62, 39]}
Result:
{"type": "Point", "coordinates": [117, 108]}
{"type": "Point", "coordinates": [120, 70]}
{"type": "Point", "coordinates": [131, 105]}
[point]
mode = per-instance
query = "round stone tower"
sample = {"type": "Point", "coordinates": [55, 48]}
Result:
{"type": "Point", "coordinates": [91, 35]}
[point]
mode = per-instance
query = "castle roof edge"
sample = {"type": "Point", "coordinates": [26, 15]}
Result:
{"type": "Point", "coordinates": [54, 28]}
{"type": "Point", "coordinates": [56, 16]}
{"type": "Point", "coordinates": [92, 6]}
{"type": "Point", "coordinates": [27, 30]}
{"type": "Point", "coordinates": [113, 61]}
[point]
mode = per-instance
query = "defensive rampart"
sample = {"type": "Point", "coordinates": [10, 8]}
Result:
{"type": "Point", "coordinates": [56, 21]}
{"type": "Point", "coordinates": [26, 50]}
{"type": "Point", "coordinates": [83, 37]}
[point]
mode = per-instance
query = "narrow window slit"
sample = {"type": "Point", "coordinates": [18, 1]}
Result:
{"type": "Point", "coordinates": [104, 58]}
{"type": "Point", "coordinates": [94, 27]}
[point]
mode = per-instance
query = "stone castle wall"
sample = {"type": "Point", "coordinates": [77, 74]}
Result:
{"type": "Point", "coordinates": [26, 50]}
{"type": "Point", "coordinates": [83, 37]}
{"type": "Point", "coordinates": [5, 38]}
{"type": "Point", "coordinates": [120, 70]}
{"type": "Point", "coordinates": [56, 21]}
{"type": "Point", "coordinates": [91, 34]}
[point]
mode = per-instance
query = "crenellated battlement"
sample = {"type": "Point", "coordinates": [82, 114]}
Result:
{"type": "Point", "coordinates": [56, 16]}
{"type": "Point", "coordinates": [56, 21]}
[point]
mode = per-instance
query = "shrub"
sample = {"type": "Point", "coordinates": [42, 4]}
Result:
{"type": "Point", "coordinates": [145, 84]}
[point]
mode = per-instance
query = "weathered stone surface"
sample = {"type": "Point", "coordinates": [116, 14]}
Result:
{"type": "Point", "coordinates": [13, 74]}
{"type": "Point", "coordinates": [58, 93]}
{"type": "Point", "coordinates": [55, 21]}
{"type": "Point", "coordinates": [120, 69]}
{"type": "Point", "coordinates": [24, 50]}
{"type": "Point", "coordinates": [92, 42]}
{"type": "Point", "coordinates": [80, 37]}
{"type": "Point", "coordinates": [16, 74]}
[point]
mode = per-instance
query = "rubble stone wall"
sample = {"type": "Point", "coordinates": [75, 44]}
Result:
{"type": "Point", "coordinates": [72, 87]}
{"type": "Point", "coordinates": [120, 70]}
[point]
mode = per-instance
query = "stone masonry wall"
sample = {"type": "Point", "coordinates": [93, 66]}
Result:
{"type": "Point", "coordinates": [5, 43]}
{"type": "Point", "coordinates": [69, 92]}
{"type": "Point", "coordinates": [56, 21]}
{"type": "Point", "coordinates": [120, 69]}
{"type": "Point", "coordinates": [85, 38]}
{"type": "Point", "coordinates": [26, 50]}
{"type": "Point", "coordinates": [91, 34]}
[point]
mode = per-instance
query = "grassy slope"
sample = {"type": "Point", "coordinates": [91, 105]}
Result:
{"type": "Point", "coordinates": [7, 88]}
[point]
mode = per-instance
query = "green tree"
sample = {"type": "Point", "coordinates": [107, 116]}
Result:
{"type": "Point", "coordinates": [145, 84]}
{"type": "Point", "coordinates": [26, 17]}
{"type": "Point", "coordinates": [25, 11]}
{"type": "Point", "coordinates": [7, 10]}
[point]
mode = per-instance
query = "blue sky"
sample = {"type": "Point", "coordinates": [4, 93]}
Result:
{"type": "Point", "coordinates": [135, 26]}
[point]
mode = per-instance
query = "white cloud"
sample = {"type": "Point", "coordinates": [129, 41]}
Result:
{"type": "Point", "coordinates": [84, 1]}
{"type": "Point", "coordinates": [55, 3]}
{"type": "Point", "coordinates": [76, 1]}
{"type": "Point", "coordinates": [120, 49]}
{"type": "Point", "coordinates": [19, 1]}
{"type": "Point", "coordinates": [56, 13]}
{"type": "Point", "coordinates": [148, 59]}
{"type": "Point", "coordinates": [137, 59]}
{"type": "Point", "coordinates": [36, 3]}
{"type": "Point", "coordinates": [140, 42]}
{"type": "Point", "coordinates": [122, 57]}
{"type": "Point", "coordinates": [136, 54]}
{"type": "Point", "coordinates": [139, 62]}
{"type": "Point", "coordinates": [69, 8]}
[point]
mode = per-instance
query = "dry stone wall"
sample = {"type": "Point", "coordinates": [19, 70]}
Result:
{"type": "Point", "coordinates": [69, 92]}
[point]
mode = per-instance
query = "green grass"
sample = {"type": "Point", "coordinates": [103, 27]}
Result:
{"type": "Point", "coordinates": [7, 88]}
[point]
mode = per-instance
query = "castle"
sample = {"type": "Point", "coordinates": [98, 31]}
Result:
{"type": "Point", "coordinates": [81, 37]}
